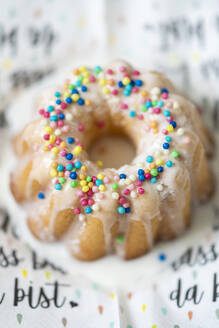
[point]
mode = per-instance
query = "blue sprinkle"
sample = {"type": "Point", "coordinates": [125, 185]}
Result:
{"type": "Point", "coordinates": [69, 167]}
{"type": "Point", "coordinates": [166, 145]}
{"type": "Point", "coordinates": [138, 83]}
{"type": "Point", "coordinates": [173, 123]}
{"type": "Point", "coordinates": [164, 90]}
{"type": "Point", "coordinates": [162, 257]}
{"type": "Point", "coordinates": [53, 118]}
{"type": "Point", "coordinates": [83, 88]}
{"type": "Point", "coordinates": [122, 176]}
{"type": "Point", "coordinates": [153, 180]}
{"type": "Point", "coordinates": [60, 168]}
{"type": "Point", "coordinates": [88, 210]}
{"type": "Point", "coordinates": [132, 113]}
{"type": "Point", "coordinates": [68, 100]}
{"type": "Point", "coordinates": [160, 169]}
{"type": "Point", "coordinates": [69, 156]}
{"type": "Point", "coordinates": [58, 101]}
{"type": "Point", "coordinates": [140, 172]}
{"type": "Point", "coordinates": [168, 138]}
{"type": "Point", "coordinates": [50, 109]}
{"type": "Point", "coordinates": [121, 210]}
{"type": "Point", "coordinates": [70, 140]}
{"type": "Point", "coordinates": [169, 163]}
{"type": "Point", "coordinates": [74, 91]}
{"type": "Point", "coordinates": [120, 84]}
{"type": "Point", "coordinates": [78, 83]}
{"type": "Point", "coordinates": [78, 165]}
{"type": "Point", "coordinates": [141, 177]}
{"type": "Point", "coordinates": [57, 94]}
{"type": "Point", "coordinates": [160, 103]}
{"type": "Point", "coordinates": [149, 159]}
{"type": "Point", "coordinates": [128, 87]}
{"type": "Point", "coordinates": [126, 93]}
{"type": "Point", "coordinates": [80, 101]}
{"type": "Point", "coordinates": [58, 186]}
{"type": "Point", "coordinates": [73, 175]}
{"type": "Point", "coordinates": [61, 116]}
{"type": "Point", "coordinates": [166, 113]}
{"type": "Point", "coordinates": [41, 195]}
{"type": "Point", "coordinates": [98, 182]}
{"type": "Point", "coordinates": [148, 104]}
{"type": "Point", "coordinates": [127, 210]}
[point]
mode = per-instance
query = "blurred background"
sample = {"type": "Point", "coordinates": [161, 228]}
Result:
{"type": "Point", "coordinates": [180, 38]}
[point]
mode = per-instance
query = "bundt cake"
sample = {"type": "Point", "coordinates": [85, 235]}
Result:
{"type": "Point", "coordinates": [106, 210]}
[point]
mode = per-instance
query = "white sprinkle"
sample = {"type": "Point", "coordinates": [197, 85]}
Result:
{"type": "Point", "coordinates": [57, 132]}
{"type": "Point", "coordinates": [115, 195]}
{"type": "Point", "coordinates": [121, 182]}
{"type": "Point", "coordinates": [140, 165]}
{"type": "Point", "coordinates": [133, 194]}
{"type": "Point", "coordinates": [53, 155]}
{"type": "Point", "coordinates": [68, 116]}
{"type": "Point", "coordinates": [160, 187]}
{"type": "Point", "coordinates": [132, 177]}
{"type": "Point", "coordinates": [166, 151]}
{"type": "Point", "coordinates": [155, 91]}
{"type": "Point", "coordinates": [154, 97]}
{"type": "Point", "coordinates": [81, 217]}
{"type": "Point", "coordinates": [95, 207]}
{"type": "Point", "coordinates": [43, 122]}
{"type": "Point", "coordinates": [127, 181]}
{"type": "Point", "coordinates": [176, 105]}
{"type": "Point", "coordinates": [180, 131]}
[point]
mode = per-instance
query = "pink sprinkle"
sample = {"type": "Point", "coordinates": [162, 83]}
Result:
{"type": "Point", "coordinates": [147, 176]}
{"type": "Point", "coordinates": [94, 189]}
{"type": "Point", "coordinates": [157, 110]}
{"type": "Point", "coordinates": [90, 193]}
{"type": "Point", "coordinates": [77, 211]}
{"type": "Point", "coordinates": [90, 201]}
{"type": "Point", "coordinates": [164, 131]}
{"type": "Point", "coordinates": [135, 72]}
{"type": "Point", "coordinates": [92, 78]}
{"type": "Point", "coordinates": [106, 180]}
{"type": "Point", "coordinates": [140, 191]}
{"type": "Point", "coordinates": [138, 183]}
{"type": "Point", "coordinates": [122, 68]}
{"type": "Point", "coordinates": [67, 174]}
{"type": "Point", "coordinates": [41, 111]}
{"type": "Point", "coordinates": [126, 205]}
{"type": "Point", "coordinates": [53, 124]}
{"type": "Point", "coordinates": [150, 110]}
{"type": "Point", "coordinates": [147, 128]}
{"type": "Point", "coordinates": [80, 194]}
{"type": "Point", "coordinates": [131, 186]}
{"type": "Point", "coordinates": [63, 105]}
{"type": "Point", "coordinates": [135, 89]}
{"type": "Point", "coordinates": [100, 124]}
{"type": "Point", "coordinates": [115, 92]}
{"type": "Point", "coordinates": [126, 75]}
{"type": "Point", "coordinates": [169, 104]}
{"type": "Point", "coordinates": [142, 101]}
{"type": "Point", "coordinates": [116, 178]}
{"type": "Point", "coordinates": [58, 111]}
{"type": "Point", "coordinates": [122, 200]}
{"type": "Point", "coordinates": [57, 181]}
{"type": "Point", "coordinates": [65, 128]}
{"type": "Point", "coordinates": [84, 202]}
{"type": "Point", "coordinates": [80, 127]}
{"type": "Point", "coordinates": [140, 116]}
{"type": "Point", "coordinates": [46, 114]}
{"type": "Point", "coordinates": [164, 95]}
{"type": "Point", "coordinates": [60, 123]}
{"type": "Point", "coordinates": [109, 71]}
{"type": "Point", "coordinates": [124, 106]}
{"type": "Point", "coordinates": [63, 152]}
{"type": "Point", "coordinates": [50, 146]}
{"type": "Point", "coordinates": [126, 192]}
{"type": "Point", "coordinates": [46, 136]}
{"type": "Point", "coordinates": [94, 179]}
{"type": "Point", "coordinates": [58, 141]}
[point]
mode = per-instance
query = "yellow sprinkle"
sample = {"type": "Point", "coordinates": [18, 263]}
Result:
{"type": "Point", "coordinates": [87, 102]}
{"type": "Point", "coordinates": [143, 307]}
{"type": "Point", "coordinates": [155, 131]}
{"type": "Point", "coordinates": [90, 184]}
{"type": "Point", "coordinates": [153, 124]}
{"type": "Point", "coordinates": [76, 71]}
{"type": "Point", "coordinates": [75, 97]}
{"type": "Point", "coordinates": [170, 128]}
{"type": "Point", "coordinates": [86, 74]}
{"type": "Point", "coordinates": [83, 168]}
{"type": "Point", "coordinates": [83, 69]}
{"type": "Point", "coordinates": [62, 144]}
{"type": "Point", "coordinates": [99, 163]}
{"type": "Point", "coordinates": [126, 80]}
{"type": "Point", "coordinates": [86, 80]}
{"type": "Point", "coordinates": [152, 165]}
{"type": "Point", "coordinates": [24, 273]}
{"type": "Point", "coordinates": [48, 129]}
{"type": "Point", "coordinates": [65, 85]}
{"type": "Point", "coordinates": [102, 82]}
{"type": "Point", "coordinates": [106, 90]}
{"type": "Point", "coordinates": [54, 164]}
{"type": "Point", "coordinates": [77, 150]}
{"type": "Point", "coordinates": [52, 138]}
{"type": "Point", "coordinates": [112, 295]}
{"type": "Point", "coordinates": [159, 161]}
{"type": "Point", "coordinates": [45, 148]}
{"type": "Point", "coordinates": [66, 94]}
{"type": "Point", "coordinates": [55, 150]}
{"type": "Point", "coordinates": [144, 93]}
{"type": "Point", "coordinates": [102, 188]}
{"type": "Point", "coordinates": [85, 189]}
{"type": "Point", "coordinates": [81, 176]}
{"type": "Point", "coordinates": [53, 173]}
{"type": "Point", "coordinates": [83, 183]}
{"type": "Point", "coordinates": [100, 176]}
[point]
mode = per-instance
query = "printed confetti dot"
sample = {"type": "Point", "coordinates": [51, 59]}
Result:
{"type": "Point", "coordinates": [64, 322]}
{"type": "Point", "coordinates": [100, 309]}
{"type": "Point", "coordinates": [19, 318]}
{"type": "Point", "coordinates": [154, 326]}
{"type": "Point", "coordinates": [162, 257]}
{"type": "Point", "coordinates": [112, 295]}
{"type": "Point", "coordinates": [95, 286]}
{"type": "Point", "coordinates": [78, 293]}
{"type": "Point", "coordinates": [24, 273]}
{"type": "Point", "coordinates": [143, 307]}
{"type": "Point", "coordinates": [190, 315]}
{"type": "Point", "coordinates": [164, 311]}
{"type": "Point", "coordinates": [112, 325]}
{"type": "Point", "coordinates": [129, 295]}
{"type": "Point", "coordinates": [47, 274]}
{"type": "Point", "coordinates": [217, 314]}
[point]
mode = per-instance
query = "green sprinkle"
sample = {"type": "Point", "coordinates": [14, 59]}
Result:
{"type": "Point", "coordinates": [71, 86]}
{"type": "Point", "coordinates": [73, 183]}
{"type": "Point", "coordinates": [175, 153]}
{"type": "Point", "coordinates": [88, 178]}
{"type": "Point", "coordinates": [154, 103]}
{"type": "Point", "coordinates": [62, 180]}
{"type": "Point", "coordinates": [143, 108]}
{"type": "Point", "coordinates": [114, 186]}
{"type": "Point", "coordinates": [154, 172]}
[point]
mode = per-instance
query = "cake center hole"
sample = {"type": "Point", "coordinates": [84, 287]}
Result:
{"type": "Point", "coordinates": [112, 150]}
